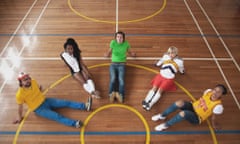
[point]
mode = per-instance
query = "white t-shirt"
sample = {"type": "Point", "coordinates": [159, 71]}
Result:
{"type": "Point", "coordinates": [218, 109]}
{"type": "Point", "coordinates": [71, 61]}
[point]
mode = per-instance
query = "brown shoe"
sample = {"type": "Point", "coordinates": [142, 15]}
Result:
{"type": "Point", "coordinates": [112, 97]}
{"type": "Point", "coordinates": [119, 97]}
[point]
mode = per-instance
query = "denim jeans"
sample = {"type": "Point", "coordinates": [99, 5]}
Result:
{"type": "Point", "coordinates": [46, 110]}
{"type": "Point", "coordinates": [189, 114]}
{"type": "Point", "coordinates": [117, 70]}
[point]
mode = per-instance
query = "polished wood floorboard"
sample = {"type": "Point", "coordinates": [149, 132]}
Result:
{"type": "Point", "coordinates": [35, 31]}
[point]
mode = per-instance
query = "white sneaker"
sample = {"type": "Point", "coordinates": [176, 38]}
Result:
{"type": "Point", "coordinates": [161, 127]}
{"type": "Point", "coordinates": [148, 108]}
{"type": "Point", "coordinates": [158, 117]}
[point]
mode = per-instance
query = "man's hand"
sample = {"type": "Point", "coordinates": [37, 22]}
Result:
{"type": "Point", "coordinates": [17, 121]}
{"type": "Point", "coordinates": [216, 126]}
{"type": "Point", "coordinates": [133, 54]}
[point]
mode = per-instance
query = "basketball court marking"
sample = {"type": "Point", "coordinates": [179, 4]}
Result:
{"type": "Point", "coordinates": [17, 29]}
{"type": "Point", "coordinates": [107, 64]}
{"type": "Point", "coordinates": [118, 22]}
{"type": "Point", "coordinates": [31, 34]}
{"type": "Point", "coordinates": [128, 58]}
{"type": "Point", "coordinates": [21, 50]}
{"type": "Point", "coordinates": [99, 133]}
{"type": "Point", "coordinates": [147, 141]}
{"type": "Point", "coordinates": [213, 55]}
{"type": "Point", "coordinates": [233, 36]}
{"type": "Point", "coordinates": [218, 34]}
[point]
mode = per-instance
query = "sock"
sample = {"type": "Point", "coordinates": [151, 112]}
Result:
{"type": "Point", "coordinates": [87, 88]}
{"type": "Point", "coordinates": [91, 85]}
{"type": "Point", "coordinates": [155, 98]}
{"type": "Point", "coordinates": [149, 96]}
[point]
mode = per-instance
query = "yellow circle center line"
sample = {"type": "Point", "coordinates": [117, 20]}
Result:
{"type": "Point", "coordinates": [121, 106]}
{"type": "Point", "coordinates": [120, 22]}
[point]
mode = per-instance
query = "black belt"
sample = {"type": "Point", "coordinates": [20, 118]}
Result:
{"type": "Point", "coordinates": [168, 67]}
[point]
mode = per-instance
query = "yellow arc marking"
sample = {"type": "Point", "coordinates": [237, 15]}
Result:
{"type": "Point", "coordinates": [121, 106]}
{"type": "Point", "coordinates": [120, 22]}
{"type": "Point", "coordinates": [107, 64]}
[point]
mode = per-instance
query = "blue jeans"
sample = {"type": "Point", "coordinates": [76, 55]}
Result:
{"type": "Point", "coordinates": [46, 110]}
{"type": "Point", "coordinates": [117, 70]}
{"type": "Point", "coordinates": [189, 114]}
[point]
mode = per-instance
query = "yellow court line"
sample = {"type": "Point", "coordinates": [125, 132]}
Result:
{"type": "Point", "coordinates": [121, 106]}
{"type": "Point", "coordinates": [20, 127]}
{"type": "Point", "coordinates": [120, 22]}
{"type": "Point", "coordinates": [107, 64]}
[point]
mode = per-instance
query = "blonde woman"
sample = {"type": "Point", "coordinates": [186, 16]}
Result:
{"type": "Point", "coordinates": [169, 65]}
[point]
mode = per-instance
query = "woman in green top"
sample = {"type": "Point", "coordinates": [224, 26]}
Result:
{"type": "Point", "coordinates": [118, 51]}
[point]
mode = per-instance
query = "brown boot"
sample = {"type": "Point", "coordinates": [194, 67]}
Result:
{"type": "Point", "coordinates": [119, 97]}
{"type": "Point", "coordinates": [112, 97]}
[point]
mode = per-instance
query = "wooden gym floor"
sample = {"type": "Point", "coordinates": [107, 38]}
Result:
{"type": "Point", "coordinates": [32, 34]}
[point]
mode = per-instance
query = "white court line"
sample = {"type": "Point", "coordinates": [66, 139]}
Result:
{"type": "Point", "coordinates": [213, 55]}
{"type": "Point", "coordinates": [18, 27]}
{"type": "Point", "coordinates": [116, 15]}
{"type": "Point", "coordinates": [219, 36]}
{"type": "Point", "coordinates": [39, 17]}
{"type": "Point", "coordinates": [129, 58]}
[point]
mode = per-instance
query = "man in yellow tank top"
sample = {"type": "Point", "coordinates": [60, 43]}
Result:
{"type": "Point", "coordinates": [195, 112]}
{"type": "Point", "coordinates": [30, 93]}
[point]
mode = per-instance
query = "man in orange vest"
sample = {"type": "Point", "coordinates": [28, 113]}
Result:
{"type": "Point", "coordinates": [195, 112]}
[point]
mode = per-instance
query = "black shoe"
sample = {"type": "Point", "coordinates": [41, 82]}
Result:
{"type": "Point", "coordinates": [144, 104]}
{"type": "Point", "coordinates": [79, 124]}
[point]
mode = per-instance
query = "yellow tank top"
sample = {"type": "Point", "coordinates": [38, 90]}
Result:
{"type": "Point", "coordinates": [171, 62]}
{"type": "Point", "coordinates": [204, 106]}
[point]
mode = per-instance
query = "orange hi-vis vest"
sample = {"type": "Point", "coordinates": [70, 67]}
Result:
{"type": "Point", "coordinates": [171, 62]}
{"type": "Point", "coordinates": [204, 106]}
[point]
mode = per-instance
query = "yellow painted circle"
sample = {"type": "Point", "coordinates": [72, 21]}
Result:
{"type": "Point", "coordinates": [120, 22]}
{"type": "Point", "coordinates": [120, 106]}
{"type": "Point", "coordinates": [107, 64]}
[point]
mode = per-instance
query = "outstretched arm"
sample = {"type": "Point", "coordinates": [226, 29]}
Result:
{"type": "Point", "coordinates": [84, 67]}
{"type": "Point", "coordinates": [108, 53]}
{"type": "Point", "coordinates": [215, 124]}
{"type": "Point", "coordinates": [20, 114]}
{"type": "Point", "coordinates": [132, 54]}
{"type": "Point", "coordinates": [181, 68]}
{"type": "Point", "coordinates": [159, 62]}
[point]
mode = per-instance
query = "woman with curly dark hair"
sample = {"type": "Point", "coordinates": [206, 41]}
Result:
{"type": "Point", "coordinates": [72, 57]}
